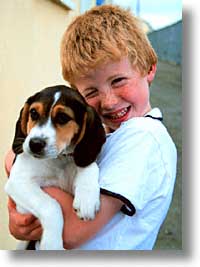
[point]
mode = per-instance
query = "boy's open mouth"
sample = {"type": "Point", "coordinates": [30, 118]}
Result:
{"type": "Point", "coordinates": [120, 115]}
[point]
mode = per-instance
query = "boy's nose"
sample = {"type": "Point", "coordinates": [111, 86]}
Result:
{"type": "Point", "coordinates": [108, 100]}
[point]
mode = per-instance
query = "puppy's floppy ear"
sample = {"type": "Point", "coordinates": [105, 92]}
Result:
{"type": "Point", "coordinates": [93, 137]}
{"type": "Point", "coordinates": [21, 130]}
{"type": "Point", "coordinates": [21, 125]}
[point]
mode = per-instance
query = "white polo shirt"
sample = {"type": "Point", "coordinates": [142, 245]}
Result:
{"type": "Point", "coordinates": [137, 165]}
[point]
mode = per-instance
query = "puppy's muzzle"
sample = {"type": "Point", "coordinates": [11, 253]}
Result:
{"type": "Point", "coordinates": [37, 146]}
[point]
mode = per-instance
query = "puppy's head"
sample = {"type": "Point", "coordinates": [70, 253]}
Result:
{"type": "Point", "coordinates": [57, 121]}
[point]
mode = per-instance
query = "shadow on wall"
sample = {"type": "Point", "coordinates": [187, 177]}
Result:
{"type": "Point", "coordinates": [167, 43]}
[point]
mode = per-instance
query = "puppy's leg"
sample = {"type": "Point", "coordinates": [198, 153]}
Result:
{"type": "Point", "coordinates": [28, 195]}
{"type": "Point", "coordinates": [45, 208]}
{"type": "Point", "coordinates": [87, 192]}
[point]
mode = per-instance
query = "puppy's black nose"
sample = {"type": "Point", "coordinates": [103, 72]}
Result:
{"type": "Point", "coordinates": [37, 145]}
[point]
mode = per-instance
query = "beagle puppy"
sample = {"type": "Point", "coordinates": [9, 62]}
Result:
{"type": "Point", "coordinates": [57, 139]}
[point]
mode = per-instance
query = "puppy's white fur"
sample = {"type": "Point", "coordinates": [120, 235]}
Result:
{"type": "Point", "coordinates": [56, 168]}
{"type": "Point", "coordinates": [27, 177]}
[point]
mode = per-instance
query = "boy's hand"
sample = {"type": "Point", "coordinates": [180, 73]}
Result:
{"type": "Point", "coordinates": [23, 226]}
{"type": "Point", "coordinates": [9, 158]}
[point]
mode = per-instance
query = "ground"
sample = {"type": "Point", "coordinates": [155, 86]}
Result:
{"type": "Point", "coordinates": [166, 94]}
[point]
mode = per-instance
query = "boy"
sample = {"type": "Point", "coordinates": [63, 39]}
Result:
{"type": "Point", "coordinates": [108, 59]}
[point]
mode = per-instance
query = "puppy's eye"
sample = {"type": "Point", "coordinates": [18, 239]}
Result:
{"type": "Point", "coordinates": [61, 118]}
{"type": "Point", "coordinates": [34, 114]}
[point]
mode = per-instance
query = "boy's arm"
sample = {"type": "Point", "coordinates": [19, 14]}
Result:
{"type": "Point", "coordinates": [77, 232]}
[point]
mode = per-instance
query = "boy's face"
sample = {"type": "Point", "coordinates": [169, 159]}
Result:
{"type": "Point", "coordinates": [117, 91]}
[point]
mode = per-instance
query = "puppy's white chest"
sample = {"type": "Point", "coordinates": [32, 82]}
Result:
{"type": "Point", "coordinates": [46, 172]}
{"type": "Point", "coordinates": [59, 175]}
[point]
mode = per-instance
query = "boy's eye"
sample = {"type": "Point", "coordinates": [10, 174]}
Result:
{"type": "Point", "coordinates": [34, 114]}
{"type": "Point", "coordinates": [61, 118]}
{"type": "Point", "coordinates": [91, 93]}
{"type": "Point", "coordinates": [118, 81]}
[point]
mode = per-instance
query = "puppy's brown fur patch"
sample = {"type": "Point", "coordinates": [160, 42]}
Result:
{"type": "Point", "coordinates": [61, 108]}
{"type": "Point", "coordinates": [39, 107]}
{"type": "Point", "coordinates": [24, 118]}
{"type": "Point", "coordinates": [65, 133]}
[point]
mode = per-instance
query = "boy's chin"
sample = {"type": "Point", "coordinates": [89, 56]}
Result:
{"type": "Point", "coordinates": [111, 127]}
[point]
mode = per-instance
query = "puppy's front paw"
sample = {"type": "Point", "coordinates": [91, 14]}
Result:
{"type": "Point", "coordinates": [86, 204]}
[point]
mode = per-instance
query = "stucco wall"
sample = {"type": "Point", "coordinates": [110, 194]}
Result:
{"type": "Point", "coordinates": [29, 61]}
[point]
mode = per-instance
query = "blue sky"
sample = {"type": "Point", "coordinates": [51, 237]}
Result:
{"type": "Point", "coordinates": [159, 13]}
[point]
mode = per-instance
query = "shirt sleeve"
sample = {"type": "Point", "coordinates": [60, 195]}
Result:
{"type": "Point", "coordinates": [131, 168]}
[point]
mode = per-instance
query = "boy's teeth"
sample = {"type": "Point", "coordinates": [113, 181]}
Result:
{"type": "Point", "coordinates": [119, 114]}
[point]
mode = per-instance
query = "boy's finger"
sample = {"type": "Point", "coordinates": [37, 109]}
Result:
{"type": "Point", "coordinates": [30, 230]}
{"type": "Point", "coordinates": [11, 204]}
{"type": "Point", "coordinates": [19, 218]}
{"type": "Point", "coordinates": [35, 230]}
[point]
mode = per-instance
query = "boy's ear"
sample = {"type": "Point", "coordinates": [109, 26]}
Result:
{"type": "Point", "coordinates": [93, 138]}
{"type": "Point", "coordinates": [151, 74]}
{"type": "Point", "coordinates": [20, 130]}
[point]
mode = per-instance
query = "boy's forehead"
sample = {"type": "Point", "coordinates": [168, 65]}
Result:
{"type": "Point", "coordinates": [105, 72]}
{"type": "Point", "coordinates": [108, 68]}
